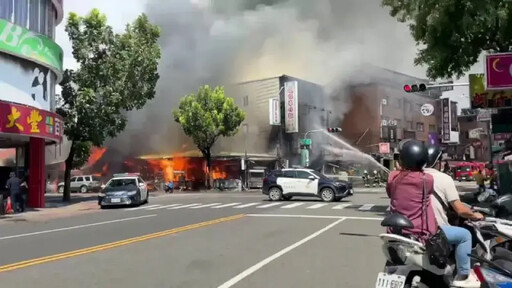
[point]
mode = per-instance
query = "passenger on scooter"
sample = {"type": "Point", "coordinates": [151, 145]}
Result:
{"type": "Point", "coordinates": [410, 188]}
{"type": "Point", "coordinates": [446, 191]}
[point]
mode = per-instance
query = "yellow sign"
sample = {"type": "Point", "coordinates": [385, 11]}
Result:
{"type": "Point", "coordinates": [13, 117]}
{"type": "Point", "coordinates": [481, 98]}
{"type": "Point", "coordinates": [34, 120]}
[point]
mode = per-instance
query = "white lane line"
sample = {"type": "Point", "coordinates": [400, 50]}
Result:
{"type": "Point", "coordinates": [292, 205]}
{"type": "Point", "coordinates": [316, 206]}
{"type": "Point", "coordinates": [205, 205]}
{"type": "Point", "coordinates": [341, 206]}
{"type": "Point", "coordinates": [366, 207]}
{"type": "Point", "coordinates": [227, 205]}
{"type": "Point", "coordinates": [184, 206]}
{"type": "Point", "coordinates": [163, 207]}
{"type": "Point", "coordinates": [269, 205]}
{"type": "Point", "coordinates": [231, 282]}
{"type": "Point", "coordinates": [247, 205]}
{"type": "Point", "coordinates": [315, 216]}
{"type": "Point", "coordinates": [76, 227]}
{"type": "Point", "coordinates": [142, 207]}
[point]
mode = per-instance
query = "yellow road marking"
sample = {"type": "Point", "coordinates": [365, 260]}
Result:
{"type": "Point", "coordinates": [111, 245]}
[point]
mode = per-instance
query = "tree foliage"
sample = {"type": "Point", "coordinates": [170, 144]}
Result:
{"type": "Point", "coordinates": [208, 115]}
{"type": "Point", "coordinates": [116, 73]}
{"type": "Point", "coordinates": [452, 34]}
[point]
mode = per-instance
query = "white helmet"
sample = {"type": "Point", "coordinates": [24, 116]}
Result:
{"type": "Point", "coordinates": [365, 171]}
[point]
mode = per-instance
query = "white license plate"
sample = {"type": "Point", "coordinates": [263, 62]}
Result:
{"type": "Point", "coordinates": [385, 280]}
{"type": "Point", "coordinates": [115, 200]}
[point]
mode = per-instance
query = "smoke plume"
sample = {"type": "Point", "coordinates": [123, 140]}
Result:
{"type": "Point", "coordinates": [225, 41]}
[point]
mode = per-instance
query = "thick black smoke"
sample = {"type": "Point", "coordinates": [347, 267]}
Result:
{"type": "Point", "coordinates": [224, 41]}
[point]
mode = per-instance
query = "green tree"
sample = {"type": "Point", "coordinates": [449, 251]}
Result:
{"type": "Point", "coordinates": [452, 34]}
{"type": "Point", "coordinates": [116, 73]}
{"type": "Point", "coordinates": [206, 116]}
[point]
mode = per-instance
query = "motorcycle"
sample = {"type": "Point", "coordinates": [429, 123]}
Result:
{"type": "Point", "coordinates": [408, 264]}
{"type": "Point", "coordinates": [494, 273]}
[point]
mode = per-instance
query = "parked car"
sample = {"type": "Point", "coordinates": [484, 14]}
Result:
{"type": "Point", "coordinates": [287, 183]}
{"type": "Point", "coordinates": [82, 184]}
{"type": "Point", "coordinates": [124, 189]}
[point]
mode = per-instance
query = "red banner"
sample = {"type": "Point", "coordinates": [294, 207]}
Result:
{"type": "Point", "coordinates": [499, 71]}
{"type": "Point", "coordinates": [30, 121]}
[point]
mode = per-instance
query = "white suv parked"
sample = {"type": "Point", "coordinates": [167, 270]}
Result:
{"type": "Point", "coordinates": [82, 184]}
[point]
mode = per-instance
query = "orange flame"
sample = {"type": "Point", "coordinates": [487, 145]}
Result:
{"type": "Point", "coordinates": [217, 173]}
{"type": "Point", "coordinates": [96, 154]}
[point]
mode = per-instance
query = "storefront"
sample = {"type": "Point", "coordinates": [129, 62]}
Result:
{"type": "Point", "coordinates": [30, 68]}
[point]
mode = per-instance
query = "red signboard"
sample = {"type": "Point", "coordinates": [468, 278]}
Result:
{"type": "Point", "coordinates": [30, 121]}
{"type": "Point", "coordinates": [499, 71]}
{"type": "Point", "coordinates": [384, 148]}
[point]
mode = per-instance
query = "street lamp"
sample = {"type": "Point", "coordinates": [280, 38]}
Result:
{"type": "Point", "coordinates": [246, 162]}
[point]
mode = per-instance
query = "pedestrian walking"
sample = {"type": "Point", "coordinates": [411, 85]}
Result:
{"type": "Point", "coordinates": [13, 185]}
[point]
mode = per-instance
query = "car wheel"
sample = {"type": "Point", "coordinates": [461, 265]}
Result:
{"type": "Point", "coordinates": [83, 189]}
{"type": "Point", "coordinates": [275, 194]}
{"type": "Point", "coordinates": [61, 189]}
{"type": "Point", "coordinates": [327, 194]}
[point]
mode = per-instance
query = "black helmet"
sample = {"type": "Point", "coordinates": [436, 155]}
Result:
{"type": "Point", "coordinates": [413, 154]}
{"type": "Point", "coordinates": [434, 155]}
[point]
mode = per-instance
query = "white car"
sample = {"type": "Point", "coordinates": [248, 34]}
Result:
{"type": "Point", "coordinates": [124, 189]}
{"type": "Point", "coordinates": [287, 183]}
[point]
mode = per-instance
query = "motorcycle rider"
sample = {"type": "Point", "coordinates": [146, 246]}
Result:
{"type": "Point", "coordinates": [410, 188]}
{"type": "Point", "coordinates": [445, 189]}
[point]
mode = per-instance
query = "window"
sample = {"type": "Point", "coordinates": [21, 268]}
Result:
{"type": "Point", "coordinates": [246, 100]}
{"type": "Point", "coordinates": [33, 23]}
{"type": "Point", "coordinates": [139, 180]}
{"type": "Point", "coordinates": [20, 12]}
{"type": "Point", "coordinates": [432, 128]}
{"type": "Point", "coordinates": [398, 123]}
{"type": "Point", "coordinates": [408, 106]}
{"type": "Point", "coordinates": [6, 9]}
{"type": "Point", "coordinates": [303, 174]}
{"type": "Point", "coordinates": [398, 103]}
{"type": "Point", "coordinates": [409, 126]}
{"type": "Point", "coordinates": [289, 174]}
{"type": "Point", "coordinates": [419, 127]}
{"type": "Point", "coordinates": [36, 15]}
{"type": "Point", "coordinates": [73, 179]}
{"type": "Point", "coordinates": [80, 179]}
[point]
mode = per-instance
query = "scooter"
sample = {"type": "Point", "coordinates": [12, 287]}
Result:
{"type": "Point", "coordinates": [408, 263]}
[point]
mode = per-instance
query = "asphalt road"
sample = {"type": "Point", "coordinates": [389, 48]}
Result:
{"type": "Point", "coordinates": [202, 240]}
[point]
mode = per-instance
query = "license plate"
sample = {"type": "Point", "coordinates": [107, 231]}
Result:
{"type": "Point", "coordinates": [385, 280]}
{"type": "Point", "coordinates": [115, 200]}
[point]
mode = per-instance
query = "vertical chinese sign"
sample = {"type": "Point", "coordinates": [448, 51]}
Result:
{"type": "Point", "coordinates": [446, 119]}
{"type": "Point", "coordinates": [274, 111]}
{"type": "Point", "coordinates": [291, 120]}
